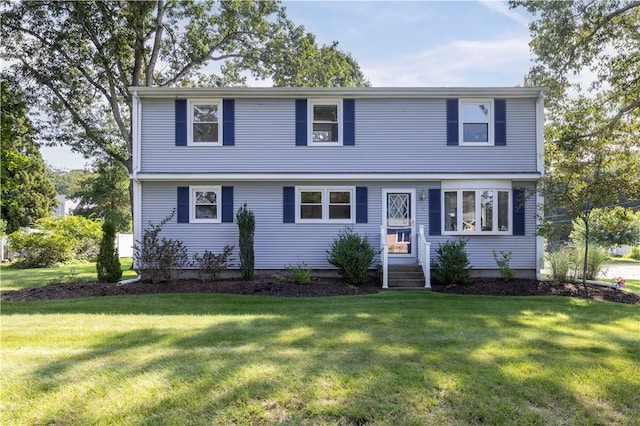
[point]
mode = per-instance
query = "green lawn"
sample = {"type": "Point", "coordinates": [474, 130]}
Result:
{"type": "Point", "coordinates": [16, 278]}
{"type": "Point", "coordinates": [397, 358]}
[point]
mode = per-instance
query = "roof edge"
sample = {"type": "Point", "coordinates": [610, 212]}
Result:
{"type": "Point", "coordinates": [351, 92]}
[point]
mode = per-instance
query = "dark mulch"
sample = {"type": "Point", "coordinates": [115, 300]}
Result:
{"type": "Point", "coordinates": [270, 286]}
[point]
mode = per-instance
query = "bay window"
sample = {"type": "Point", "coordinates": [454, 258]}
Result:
{"type": "Point", "coordinates": [476, 211]}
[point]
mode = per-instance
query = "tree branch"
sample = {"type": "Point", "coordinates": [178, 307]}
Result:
{"type": "Point", "coordinates": [157, 43]}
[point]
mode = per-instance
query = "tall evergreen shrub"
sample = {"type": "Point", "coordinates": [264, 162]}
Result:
{"type": "Point", "coordinates": [108, 264]}
{"type": "Point", "coordinates": [247, 226]}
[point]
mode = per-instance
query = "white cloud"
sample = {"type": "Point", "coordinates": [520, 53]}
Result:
{"type": "Point", "coordinates": [503, 9]}
{"type": "Point", "coordinates": [502, 62]}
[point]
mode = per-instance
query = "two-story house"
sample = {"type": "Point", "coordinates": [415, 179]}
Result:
{"type": "Point", "coordinates": [456, 162]}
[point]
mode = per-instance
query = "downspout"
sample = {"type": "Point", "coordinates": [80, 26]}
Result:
{"type": "Point", "coordinates": [539, 197]}
{"type": "Point", "coordinates": [135, 151]}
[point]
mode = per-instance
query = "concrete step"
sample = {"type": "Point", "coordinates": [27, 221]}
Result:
{"type": "Point", "coordinates": [408, 277]}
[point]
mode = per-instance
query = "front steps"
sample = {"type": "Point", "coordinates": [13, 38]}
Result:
{"type": "Point", "coordinates": [406, 277]}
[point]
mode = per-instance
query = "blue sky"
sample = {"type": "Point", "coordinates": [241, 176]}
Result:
{"type": "Point", "coordinates": [409, 44]}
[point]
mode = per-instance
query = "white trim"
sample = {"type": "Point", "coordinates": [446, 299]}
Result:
{"type": "Point", "coordinates": [337, 92]}
{"type": "Point", "coordinates": [461, 121]}
{"type": "Point", "coordinates": [137, 216]}
{"type": "Point", "coordinates": [190, 104]}
{"type": "Point", "coordinates": [412, 212]}
{"type": "Point", "coordinates": [540, 133]}
{"type": "Point", "coordinates": [333, 177]}
{"type": "Point", "coordinates": [310, 104]}
{"type": "Point", "coordinates": [192, 203]}
{"type": "Point", "coordinates": [325, 203]}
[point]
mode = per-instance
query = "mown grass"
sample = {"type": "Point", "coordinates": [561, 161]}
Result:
{"type": "Point", "coordinates": [397, 358]}
{"type": "Point", "coordinates": [13, 278]}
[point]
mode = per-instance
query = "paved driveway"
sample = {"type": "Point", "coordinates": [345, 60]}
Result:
{"type": "Point", "coordinates": [628, 271]}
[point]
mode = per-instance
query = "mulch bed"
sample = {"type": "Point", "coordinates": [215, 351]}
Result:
{"type": "Point", "coordinates": [270, 286]}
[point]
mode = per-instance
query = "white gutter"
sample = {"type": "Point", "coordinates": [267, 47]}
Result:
{"type": "Point", "coordinates": [386, 177]}
{"type": "Point", "coordinates": [355, 92]}
{"type": "Point", "coordinates": [136, 113]}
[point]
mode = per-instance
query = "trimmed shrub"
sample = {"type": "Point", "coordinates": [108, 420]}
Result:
{"type": "Point", "coordinates": [299, 273]}
{"type": "Point", "coordinates": [352, 255]}
{"type": "Point", "coordinates": [210, 265]}
{"type": "Point", "coordinates": [160, 259]}
{"type": "Point", "coordinates": [108, 264]}
{"type": "Point", "coordinates": [451, 265]}
{"type": "Point", "coordinates": [247, 226]}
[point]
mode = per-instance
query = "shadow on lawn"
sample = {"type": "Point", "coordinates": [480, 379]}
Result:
{"type": "Point", "coordinates": [373, 359]}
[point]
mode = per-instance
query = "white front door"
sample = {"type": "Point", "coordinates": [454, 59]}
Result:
{"type": "Point", "coordinates": [398, 216]}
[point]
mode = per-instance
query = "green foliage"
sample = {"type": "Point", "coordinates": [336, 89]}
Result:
{"type": "Point", "coordinates": [247, 226]}
{"type": "Point", "coordinates": [352, 255]}
{"type": "Point", "coordinates": [67, 182]}
{"type": "Point", "coordinates": [40, 249]}
{"type": "Point", "coordinates": [591, 156]}
{"type": "Point", "coordinates": [451, 265]}
{"type": "Point", "coordinates": [210, 265]}
{"type": "Point", "coordinates": [635, 253]}
{"type": "Point", "coordinates": [567, 264]}
{"type": "Point", "coordinates": [562, 263]}
{"type": "Point", "coordinates": [108, 263]}
{"type": "Point", "coordinates": [25, 192]}
{"type": "Point", "coordinates": [57, 239]}
{"type": "Point", "coordinates": [503, 260]}
{"type": "Point", "coordinates": [609, 227]}
{"type": "Point", "coordinates": [105, 195]}
{"type": "Point", "coordinates": [299, 273]}
{"type": "Point", "coordinates": [160, 259]}
{"type": "Point", "coordinates": [84, 234]}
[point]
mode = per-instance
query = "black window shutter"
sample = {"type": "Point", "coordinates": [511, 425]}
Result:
{"type": "Point", "coordinates": [452, 122]}
{"type": "Point", "coordinates": [500, 122]}
{"type": "Point", "coordinates": [181, 122]}
{"type": "Point", "coordinates": [434, 212]}
{"type": "Point", "coordinates": [301, 122]}
{"type": "Point", "coordinates": [288, 204]}
{"type": "Point", "coordinates": [228, 122]}
{"type": "Point", "coordinates": [362, 206]}
{"type": "Point", "coordinates": [349, 122]}
{"type": "Point", "coordinates": [227, 204]}
{"type": "Point", "coordinates": [183, 204]}
{"type": "Point", "coordinates": [518, 211]}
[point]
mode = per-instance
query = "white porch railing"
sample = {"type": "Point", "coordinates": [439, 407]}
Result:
{"type": "Point", "coordinates": [424, 256]}
{"type": "Point", "coordinates": [384, 256]}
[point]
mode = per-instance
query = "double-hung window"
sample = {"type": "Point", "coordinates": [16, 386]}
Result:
{"type": "Point", "coordinates": [476, 211]}
{"type": "Point", "coordinates": [331, 205]}
{"type": "Point", "coordinates": [204, 122]}
{"type": "Point", "coordinates": [325, 125]}
{"type": "Point", "coordinates": [476, 121]}
{"type": "Point", "coordinates": [205, 204]}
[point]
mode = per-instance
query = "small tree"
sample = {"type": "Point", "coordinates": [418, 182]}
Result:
{"type": "Point", "coordinates": [352, 255]}
{"type": "Point", "coordinates": [108, 264]}
{"type": "Point", "coordinates": [247, 226]}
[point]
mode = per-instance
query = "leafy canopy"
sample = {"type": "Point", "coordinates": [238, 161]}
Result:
{"type": "Point", "coordinates": [26, 193]}
{"type": "Point", "coordinates": [80, 58]}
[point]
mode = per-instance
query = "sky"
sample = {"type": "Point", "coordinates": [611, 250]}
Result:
{"type": "Point", "coordinates": [408, 44]}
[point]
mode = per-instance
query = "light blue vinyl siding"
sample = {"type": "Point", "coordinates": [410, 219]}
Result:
{"type": "Point", "coordinates": [278, 244]}
{"type": "Point", "coordinates": [392, 136]}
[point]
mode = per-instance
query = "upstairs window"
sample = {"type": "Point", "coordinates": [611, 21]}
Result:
{"type": "Point", "coordinates": [325, 124]}
{"type": "Point", "coordinates": [476, 122]}
{"type": "Point", "coordinates": [204, 127]}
